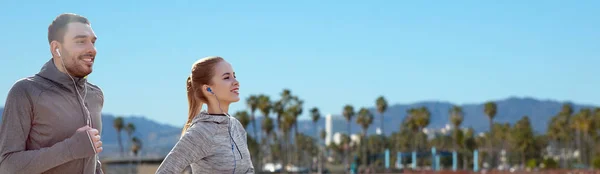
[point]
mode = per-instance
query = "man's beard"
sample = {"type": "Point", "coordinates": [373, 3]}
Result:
{"type": "Point", "coordinates": [75, 69]}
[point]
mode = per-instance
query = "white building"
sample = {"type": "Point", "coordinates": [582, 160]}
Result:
{"type": "Point", "coordinates": [328, 129]}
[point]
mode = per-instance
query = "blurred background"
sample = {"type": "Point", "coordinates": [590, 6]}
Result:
{"type": "Point", "coordinates": [343, 86]}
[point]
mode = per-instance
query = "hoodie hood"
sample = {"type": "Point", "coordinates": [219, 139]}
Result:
{"type": "Point", "coordinates": [50, 71]}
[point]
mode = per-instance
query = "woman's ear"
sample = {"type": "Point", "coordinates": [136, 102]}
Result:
{"type": "Point", "coordinates": [207, 89]}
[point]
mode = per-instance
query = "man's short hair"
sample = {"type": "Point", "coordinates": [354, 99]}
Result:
{"type": "Point", "coordinates": [58, 27]}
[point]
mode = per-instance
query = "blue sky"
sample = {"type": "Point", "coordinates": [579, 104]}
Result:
{"type": "Point", "coordinates": [329, 53]}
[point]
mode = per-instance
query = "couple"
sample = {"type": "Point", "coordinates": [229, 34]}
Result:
{"type": "Point", "coordinates": [52, 121]}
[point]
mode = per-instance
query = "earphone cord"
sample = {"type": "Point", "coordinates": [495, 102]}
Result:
{"type": "Point", "coordinates": [88, 120]}
{"type": "Point", "coordinates": [230, 136]}
{"type": "Point", "coordinates": [229, 127]}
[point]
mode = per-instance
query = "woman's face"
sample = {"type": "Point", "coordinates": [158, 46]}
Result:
{"type": "Point", "coordinates": [225, 84]}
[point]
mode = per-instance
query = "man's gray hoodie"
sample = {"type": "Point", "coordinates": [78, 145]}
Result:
{"type": "Point", "coordinates": [212, 144]}
{"type": "Point", "coordinates": [39, 121]}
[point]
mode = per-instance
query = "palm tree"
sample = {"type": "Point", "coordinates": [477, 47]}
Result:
{"type": "Point", "coordinates": [382, 106]}
{"type": "Point", "coordinates": [595, 130]}
{"type": "Point", "coordinates": [252, 103]}
{"type": "Point", "coordinates": [469, 146]}
{"type": "Point", "coordinates": [264, 105]}
{"type": "Point", "coordinates": [410, 124]}
{"type": "Point", "coordinates": [243, 117]}
{"type": "Point", "coordinates": [490, 110]}
{"type": "Point", "coordinates": [119, 125]}
{"type": "Point", "coordinates": [130, 128]}
{"type": "Point", "coordinates": [287, 125]}
{"type": "Point", "coordinates": [456, 117]}
{"type": "Point", "coordinates": [267, 127]}
{"type": "Point", "coordinates": [364, 119]}
{"type": "Point", "coordinates": [348, 113]}
{"type": "Point", "coordinates": [559, 131]}
{"type": "Point", "coordinates": [323, 135]}
{"type": "Point", "coordinates": [286, 96]}
{"type": "Point", "coordinates": [136, 145]}
{"type": "Point", "coordinates": [295, 110]}
{"type": "Point", "coordinates": [582, 124]}
{"type": "Point", "coordinates": [523, 137]}
{"type": "Point", "coordinates": [423, 119]}
{"type": "Point", "coordinates": [315, 115]}
{"type": "Point", "coordinates": [278, 109]}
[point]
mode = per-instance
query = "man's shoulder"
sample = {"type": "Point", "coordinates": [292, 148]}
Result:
{"type": "Point", "coordinates": [94, 87]}
{"type": "Point", "coordinates": [28, 87]}
{"type": "Point", "coordinates": [27, 84]}
{"type": "Point", "coordinates": [95, 90]}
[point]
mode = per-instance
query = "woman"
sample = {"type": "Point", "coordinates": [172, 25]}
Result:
{"type": "Point", "coordinates": [212, 141]}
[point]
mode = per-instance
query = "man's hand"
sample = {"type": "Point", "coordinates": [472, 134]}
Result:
{"type": "Point", "coordinates": [94, 136]}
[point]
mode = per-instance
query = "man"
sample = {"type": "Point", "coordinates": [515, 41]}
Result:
{"type": "Point", "coordinates": [46, 127]}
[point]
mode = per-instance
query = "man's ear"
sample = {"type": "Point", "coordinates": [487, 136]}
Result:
{"type": "Point", "coordinates": [53, 46]}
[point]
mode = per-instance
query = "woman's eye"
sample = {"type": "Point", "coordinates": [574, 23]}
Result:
{"type": "Point", "coordinates": [226, 78]}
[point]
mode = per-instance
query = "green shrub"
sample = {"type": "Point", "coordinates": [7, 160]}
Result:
{"type": "Point", "coordinates": [532, 163]}
{"type": "Point", "coordinates": [550, 163]}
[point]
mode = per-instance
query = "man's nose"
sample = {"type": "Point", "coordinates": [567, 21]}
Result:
{"type": "Point", "coordinates": [91, 48]}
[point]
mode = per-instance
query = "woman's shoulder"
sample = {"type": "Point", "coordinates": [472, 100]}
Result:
{"type": "Point", "coordinates": [200, 131]}
{"type": "Point", "coordinates": [238, 125]}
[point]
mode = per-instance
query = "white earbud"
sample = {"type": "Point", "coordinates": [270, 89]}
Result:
{"type": "Point", "coordinates": [58, 52]}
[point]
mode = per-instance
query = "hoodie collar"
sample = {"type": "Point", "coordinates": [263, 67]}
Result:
{"type": "Point", "coordinates": [50, 72]}
{"type": "Point", "coordinates": [206, 117]}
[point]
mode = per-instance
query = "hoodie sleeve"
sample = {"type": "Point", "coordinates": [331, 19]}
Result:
{"type": "Point", "coordinates": [193, 146]}
{"type": "Point", "coordinates": [14, 131]}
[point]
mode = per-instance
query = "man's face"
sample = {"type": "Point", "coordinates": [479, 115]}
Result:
{"type": "Point", "coordinates": [78, 49]}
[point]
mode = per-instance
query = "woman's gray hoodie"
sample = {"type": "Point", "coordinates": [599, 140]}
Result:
{"type": "Point", "coordinates": [212, 144]}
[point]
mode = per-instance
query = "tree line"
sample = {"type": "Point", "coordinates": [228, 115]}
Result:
{"type": "Point", "coordinates": [503, 145]}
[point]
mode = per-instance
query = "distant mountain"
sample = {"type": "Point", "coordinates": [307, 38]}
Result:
{"type": "Point", "coordinates": [509, 110]}
{"type": "Point", "coordinates": [158, 139]}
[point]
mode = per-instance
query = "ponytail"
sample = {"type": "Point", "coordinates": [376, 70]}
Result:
{"type": "Point", "coordinates": [194, 104]}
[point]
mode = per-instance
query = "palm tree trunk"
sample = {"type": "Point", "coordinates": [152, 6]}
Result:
{"type": "Point", "coordinates": [281, 139]}
{"type": "Point", "coordinates": [348, 148]}
{"type": "Point", "coordinates": [120, 143]}
{"type": "Point", "coordinates": [257, 139]}
{"type": "Point", "coordinates": [364, 147]}
{"type": "Point", "coordinates": [319, 170]}
{"type": "Point", "coordinates": [523, 163]}
{"type": "Point", "coordinates": [586, 152]}
{"type": "Point", "coordinates": [128, 141]}
{"type": "Point", "coordinates": [285, 149]}
{"type": "Point", "coordinates": [254, 129]}
{"type": "Point", "coordinates": [465, 160]}
{"type": "Point", "coordinates": [563, 149]}
{"type": "Point", "coordinates": [491, 146]}
{"type": "Point", "coordinates": [382, 130]}
{"type": "Point", "coordinates": [297, 156]}
{"type": "Point", "coordinates": [288, 147]}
